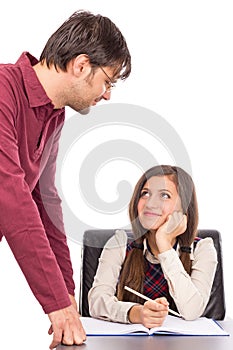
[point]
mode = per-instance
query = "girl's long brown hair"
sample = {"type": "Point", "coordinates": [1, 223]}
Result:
{"type": "Point", "coordinates": [133, 270]}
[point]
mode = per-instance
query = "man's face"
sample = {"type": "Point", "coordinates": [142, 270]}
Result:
{"type": "Point", "coordinates": [88, 91]}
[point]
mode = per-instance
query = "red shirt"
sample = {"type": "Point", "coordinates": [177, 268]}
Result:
{"type": "Point", "coordinates": [29, 132]}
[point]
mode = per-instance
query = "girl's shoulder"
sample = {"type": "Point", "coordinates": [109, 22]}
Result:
{"type": "Point", "coordinates": [202, 242]}
{"type": "Point", "coordinates": [204, 246]}
{"type": "Point", "coordinates": [195, 242]}
{"type": "Point", "coordinates": [119, 239]}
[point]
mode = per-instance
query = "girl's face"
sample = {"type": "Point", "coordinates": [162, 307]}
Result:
{"type": "Point", "coordinates": [159, 198]}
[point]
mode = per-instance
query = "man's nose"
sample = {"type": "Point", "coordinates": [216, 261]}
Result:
{"type": "Point", "coordinates": [106, 96]}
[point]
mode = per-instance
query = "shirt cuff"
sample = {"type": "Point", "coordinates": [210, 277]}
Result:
{"type": "Point", "coordinates": [170, 262]}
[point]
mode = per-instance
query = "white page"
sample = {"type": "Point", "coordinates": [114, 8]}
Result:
{"type": "Point", "coordinates": [94, 326]}
{"type": "Point", "coordinates": [200, 326]}
{"type": "Point", "coordinates": [172, 325]}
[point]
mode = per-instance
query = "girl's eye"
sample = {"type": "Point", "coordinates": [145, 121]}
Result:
{"type": "Point", "coordinates": [144, 194]}
{"type": "Point", "coordinates": [165, 195]}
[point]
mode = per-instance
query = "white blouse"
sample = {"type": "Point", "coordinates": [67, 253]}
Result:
{"type": "Point", "coordinates": [190, 293]}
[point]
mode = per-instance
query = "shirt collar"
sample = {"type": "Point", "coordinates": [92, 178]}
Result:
{"type": "Point", "coordinates": [151, 258]}
{"type": "Point", "coordinates": [148, 254]}
{"type": "Point", "coordinates": [35, 91]}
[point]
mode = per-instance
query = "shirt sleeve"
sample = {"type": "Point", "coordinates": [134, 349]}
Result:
{"type": "Point", "coordinates": [21, 224]}
{"type": "Point", "coordinates": [102, 301]}
{"type": "Point", "coordinates": [191, 293]}
{"type": "Point", "coordinates": [49, 204]}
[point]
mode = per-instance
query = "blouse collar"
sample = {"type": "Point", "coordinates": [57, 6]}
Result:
{"type": "Point", "coordinates": [150, 256]}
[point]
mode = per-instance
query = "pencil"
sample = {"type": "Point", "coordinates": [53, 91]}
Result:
{"type": "Point", "coordinates": [146, 298]}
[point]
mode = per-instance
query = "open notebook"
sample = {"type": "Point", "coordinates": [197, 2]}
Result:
{"type": "Point", "coordinates": [171, 326]}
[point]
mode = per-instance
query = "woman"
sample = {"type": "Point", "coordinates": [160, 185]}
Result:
{"type": "Point", "coordinates": [165, 261]}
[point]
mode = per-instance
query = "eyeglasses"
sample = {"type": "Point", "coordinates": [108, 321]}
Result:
{"type": "Point", "coordinates": [110, 84]}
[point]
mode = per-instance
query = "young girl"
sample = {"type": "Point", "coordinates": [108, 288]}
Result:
{"type": "Point", "coordinates": [166, 261]}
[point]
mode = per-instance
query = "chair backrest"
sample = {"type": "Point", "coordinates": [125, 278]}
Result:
{"type": "Point", "coordinates": [216, 307]}
{"type": "Point", "coordinates": [93, 242]}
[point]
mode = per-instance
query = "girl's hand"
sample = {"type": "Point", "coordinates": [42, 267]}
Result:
{"type": "Point", "coordinates": [151, 314]}
{"type": "Point", "coordinates": [174, 226]}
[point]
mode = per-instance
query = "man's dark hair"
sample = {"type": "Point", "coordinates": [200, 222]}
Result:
{"type": "Point", "coordinates": [94, 35]}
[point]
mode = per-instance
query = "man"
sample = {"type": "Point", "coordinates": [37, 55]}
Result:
{"type": "Point", "coordinates": [79, 65]}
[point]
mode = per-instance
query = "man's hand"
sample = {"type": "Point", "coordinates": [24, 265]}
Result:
{"type": "Point", "coordinates": [66, 327]}
{"type": "Point", "coordinates": [73, 302]}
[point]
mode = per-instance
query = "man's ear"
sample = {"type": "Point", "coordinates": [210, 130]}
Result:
{"type": "Point", "coordinates": [81, 65]}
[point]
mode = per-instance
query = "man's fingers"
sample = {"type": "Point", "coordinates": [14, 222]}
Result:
{"type": "Point", "coordinates": [68, 338]}
{"type": "Point", "coordinates": [57, 338]}
{"type": "Point", "coordinates": [50, 331]}
{"type": "Point", "coordinates": [66, 327]}
{"type": "Point", "coordinates": [80, 335]}
{"type": "Point", "coordinates": [76, 337]}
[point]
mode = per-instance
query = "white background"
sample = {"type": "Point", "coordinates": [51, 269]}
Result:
{"type": "Point", "coordinates": [182, 69]}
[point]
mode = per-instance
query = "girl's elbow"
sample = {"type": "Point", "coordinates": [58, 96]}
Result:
{"type": "Point", "coordinates": [192, 313]}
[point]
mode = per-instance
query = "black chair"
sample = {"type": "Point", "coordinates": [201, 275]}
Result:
{"type": "Point", "coordinates": [93, 242]}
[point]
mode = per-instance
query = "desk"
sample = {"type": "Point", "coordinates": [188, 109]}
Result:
{"type": "Point", "coordinates": [158, 342]}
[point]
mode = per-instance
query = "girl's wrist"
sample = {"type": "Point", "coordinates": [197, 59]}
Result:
{"type": "Point", "coordinates": [134, 314]}
{"type": "Point", "coordinates": [163, 245]}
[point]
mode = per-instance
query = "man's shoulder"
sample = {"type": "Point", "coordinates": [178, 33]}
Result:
{"type": "Point", "coordinates": [10, 79]}
{"type": "Point", "coordinates": [5, 68]}
{"type": "Point", "coordinates": [8, 72]}
{"type": "Point", "coordinates": [25, 59]}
